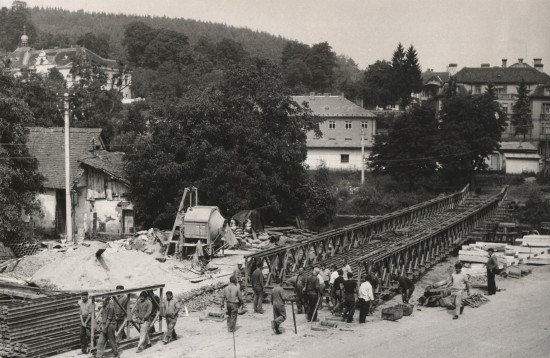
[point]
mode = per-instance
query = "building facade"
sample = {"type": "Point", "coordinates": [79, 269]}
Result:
{"type": "Point", "coordinates": [344, 125]}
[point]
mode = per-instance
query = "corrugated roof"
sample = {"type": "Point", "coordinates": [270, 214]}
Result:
{"type": "Point", "coordinates": [108, 162]}
{"type": "Point", "coordinates": [517, 147]}
{"type": "Point", "coordinates": [512, 74]}
{"type": "Point", "coordinates": [47, 145]}
{"type": "Point", "coordinates": [333, 106]}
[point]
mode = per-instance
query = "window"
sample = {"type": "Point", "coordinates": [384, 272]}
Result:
{"type": "Point", "coordinates": [331, 124]}
{"type": "Point", "coordinates": [332, 139]}
{"type": "Point", "coordinates": [347, 139]}
{"type": "Point", "coordinates": [547, 91]}
{"type": "Point", "coordinates": [546, 108]}
{"type": "Point", "coordinates": [364, 124]}
{"type": "Point", "coordinates": [500, 90]}
{"type": "Point", "coordinates": [504, 107]}
{"type": "Point", "coordinates": [344, 158]}
{"type": "Point", "coordinates": [348, 124]}
{"type": "Point", "coordinates": [477, 89]}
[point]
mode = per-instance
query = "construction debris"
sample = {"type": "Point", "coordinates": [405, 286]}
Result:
{"type": "Point", "coordinates": [475, 300]}
{"type": "Point", "coordinates": [200, 298]}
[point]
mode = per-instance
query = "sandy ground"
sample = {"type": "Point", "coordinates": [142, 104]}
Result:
{"type": "Point", "coordinates": [515, 323]}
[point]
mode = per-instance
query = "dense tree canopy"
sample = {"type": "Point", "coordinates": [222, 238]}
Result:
{"type": "Point", "coordinates": [12, 23]}
{"type": "Point", "coordinates": [19, 178]}
{"type": "Point", "coordinates": [241, 142]}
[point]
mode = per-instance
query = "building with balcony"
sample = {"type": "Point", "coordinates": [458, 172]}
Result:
{"type": "Point", "coordinates": [344, 124]}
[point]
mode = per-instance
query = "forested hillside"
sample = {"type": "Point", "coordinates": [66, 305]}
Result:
{"type": "Point", "coordinates": [57, 26]}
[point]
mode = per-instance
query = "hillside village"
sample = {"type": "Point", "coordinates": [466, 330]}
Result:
{"type": "Point", "coordinates": [153, 176]}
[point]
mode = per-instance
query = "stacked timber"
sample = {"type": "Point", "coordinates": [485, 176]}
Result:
{"type": "Point", "coordinates": [534, 249]}
{"type": "Point", "coordinates": [39, 327]}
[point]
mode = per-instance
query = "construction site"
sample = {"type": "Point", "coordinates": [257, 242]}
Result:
{"type": "Point", "coordinates": [41, 284]}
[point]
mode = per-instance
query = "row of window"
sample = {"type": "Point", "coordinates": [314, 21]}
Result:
{"type": "Point", "coordinates": [348, 124]}
{"type": "Point", "coordinates": [545, 108]}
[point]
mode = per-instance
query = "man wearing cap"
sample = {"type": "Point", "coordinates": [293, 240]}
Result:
{"type": "Point", "coordinates": [169, 310]}
{"type": "Point", "coordinates": [312, 290]}
{"type": "Point", "coordinates": [120, 313]}
{"type": "Point", "coordinates": [143, 310]}
{"type": "Point", "coordinates": [108, 329]}
{"type": "Point", "coordinates": [258, 287]}
{"type": "Point", "coordinates": [232, 295]}
{"type": "Point", "coordinates": [85, 321]}
{"type": "Point", "coordinates": [492, 267]}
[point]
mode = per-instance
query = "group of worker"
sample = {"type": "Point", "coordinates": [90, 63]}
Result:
{"type": "Point", "coordinates": [115, 315]}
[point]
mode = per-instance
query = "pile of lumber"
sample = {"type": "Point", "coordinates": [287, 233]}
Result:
{"type": "Point", "coordinates": [270, 237]}
{"type": "Point", "coordinates": [39, 327]}
{"type": "Point", "coordinates": [535, 250]}
{"type": "Point", "coordinates": [478, 253]}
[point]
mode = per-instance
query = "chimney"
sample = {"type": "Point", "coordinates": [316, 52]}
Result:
{"type": "Point", "coordinates": [538, 64]}
{"type": "Point", "coordinates": [452, 69]}
{"type": "Point", "coordinates": [520, 60]}
{"type": "Point", "coordinates": [504, 60]}
{"type": "Point", "coordinates": [485, 65]}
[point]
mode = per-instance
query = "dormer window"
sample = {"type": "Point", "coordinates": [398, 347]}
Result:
{"type": "Point", "coordinates": [547, 91]}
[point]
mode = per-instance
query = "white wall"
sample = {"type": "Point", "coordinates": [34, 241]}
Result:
{"type": "Point", "coordinates": [47, 204]}
{"type": "Point", "coordinates": [518, 166]}
{"type": "Point", "coordinates": [332, 158]}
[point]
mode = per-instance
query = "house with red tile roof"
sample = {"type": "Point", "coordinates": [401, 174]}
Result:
{"type": "Point", "coordinates": [344, 123]}
{"type": "Point", "coordinates": [99, 187]}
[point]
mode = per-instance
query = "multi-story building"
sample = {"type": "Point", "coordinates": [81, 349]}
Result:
{"type": "Point", "coordinates": [42, 61]}
{"type": "Point", "coordinates": [344, 126]}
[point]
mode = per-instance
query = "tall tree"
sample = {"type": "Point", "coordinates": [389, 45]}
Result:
{"type": "Point", "coordinates": [98, 44]}
{"type": "Point", "coordinates": [20, 181]}
{"type": "Point", "coordinates": [321, 62]}
{"type": "Point", "coordinates": [521, 118]}
{"type": "Point", "coordinates": [408, 151]}
{"type": "Point", "coordinates": [376, 87]}
{"type": "Point", "coordinates": [406, 73]}
{"type": "Point", "coordinates": [241, 142]}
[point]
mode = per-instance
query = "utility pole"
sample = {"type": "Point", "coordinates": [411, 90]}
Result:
{"type": "Point", "coordinates": [362, 156]}
{"type": "Point", "coordinates": [68, 204]}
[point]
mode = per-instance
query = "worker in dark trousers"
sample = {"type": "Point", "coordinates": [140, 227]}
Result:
{"type": "Point", "coordinates": [406, 286]}
{"type": "Point", "coordinates": [232, 295]}
{"type": "Point", "coordinates": [108, 329]}
{"type": "Point", "coordinates": [258, 287]}
{"type": "Point", "coordinates": [297, 283]}
{"type": "Point", "coordinates": [86, 313]}
{"type": "Point", "coordinates": [170, 309]}
{"type": "Point", "coordinates": [278, 302]}
{"type": "Point", "coordinates": [121, 314]}
{"type": "Point", "coordinates": [312, 292]}
{"type": "Point", "coordinates": [492, 267]}
{"type": "Point", "coordinates": [350, 297]}
{"type": "Point", "coordinates": [338, 293]}
{"type": "Point", "coordinates": [143, 310]}
{"type": "Point", "coordinates": [366, 296]}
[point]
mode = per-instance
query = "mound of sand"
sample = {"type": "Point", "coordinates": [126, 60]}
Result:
{"type": "Point", "coordinates": [79, 269]}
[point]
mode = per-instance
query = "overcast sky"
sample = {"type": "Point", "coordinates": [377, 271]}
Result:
{"type": "Point", "coordinates": [466, 32]}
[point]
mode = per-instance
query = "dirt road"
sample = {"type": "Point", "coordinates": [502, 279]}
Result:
{"type": "Point", "coordinates": [516, 323]}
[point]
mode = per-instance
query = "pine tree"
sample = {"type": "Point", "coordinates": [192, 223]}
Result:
{"type": "Point", "coordinates": [521, 118]}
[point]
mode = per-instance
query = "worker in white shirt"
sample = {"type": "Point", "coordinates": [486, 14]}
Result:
{"type": "Point", "coordinates": [366, 296]}
{"type": "Point", "coordinates": [333, 276]}
{"type": "Point", "coordinates": [347, 270]}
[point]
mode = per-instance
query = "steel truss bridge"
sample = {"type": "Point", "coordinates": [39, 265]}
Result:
{"type": "Point", "coordinates": [406, 241]}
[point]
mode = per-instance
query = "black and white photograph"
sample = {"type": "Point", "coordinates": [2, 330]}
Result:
{"type": "Point", "coordinates": [274, 178]}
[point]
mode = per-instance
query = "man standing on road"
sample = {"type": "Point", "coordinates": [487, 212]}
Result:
{"type": "Point", "coordinates": [366, 296]}
{"type": "Point", "coordinates": [278, 301]}
{"type": "Point", "coordinates": [492, 267]}
{"type": "Point", "coordinates": [333, 276]}
{"type": "Point", "coordinates": [108, 329]}
{"type": "Point", "coordinates": [85, 321]}
{"type": "Point", "coordinates": [405, 285]}
{"type": "Point", "coordinates": [312, 290]}
{"type": "Point", "coordinates": [298, 283]}
{"type": "Point", "coordinates": [121, 314]}
{"type": "Point", "coordinates": [232, 294]}
{"type": "Point", "coordinates": [169, 310]}
{"type": "Point", "coordinates": [350, 291]}
{"type": "Point", "coordinates": [258, 287]}
{"type": "Point", "coordinates": [325, 275]}
{"type": "Point", "coordinates": [346, 269]}
{"type": "Point", "coordinates": [143, 310]}
{"type": "Point", "coordinates": [237, 272]}
{"type": "Point", "coordinates": [338, 293]}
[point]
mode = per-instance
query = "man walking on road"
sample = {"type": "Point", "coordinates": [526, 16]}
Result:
{"type": "Point", "coordinates": [108, 329]}
{"type": "Point", "coordinates": [143, 310]}
{"type": "Point", "coordinates": [366, 296]}
{"type": "Point", "coordinates": [492, 267]}
{"type": "Point", "coordinates": [169, 310]}
{"type": "Point", "coordinates": [258, 287]}
{"type": "Point", "coordinates": [232, 295]}
{"type": "Point", "coordinates": [459, 281]}
{"type": "Point", "coordinates": [278, 301]}
{"type": "Point", "coordinates": [313, 292]}
{"type": "Point", "coordinates": [405, 285]}
{"type": "Point", "coordinates": [85, 321]}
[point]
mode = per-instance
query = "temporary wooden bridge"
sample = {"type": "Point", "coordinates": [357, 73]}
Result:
{"type": "Point", "coordinates": [407, 241]}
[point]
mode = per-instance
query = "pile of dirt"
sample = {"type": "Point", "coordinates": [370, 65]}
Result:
{"type": "Point", "coordinates": [29, 265]}
{"type": "Point", "coordinates": [79, 269]}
